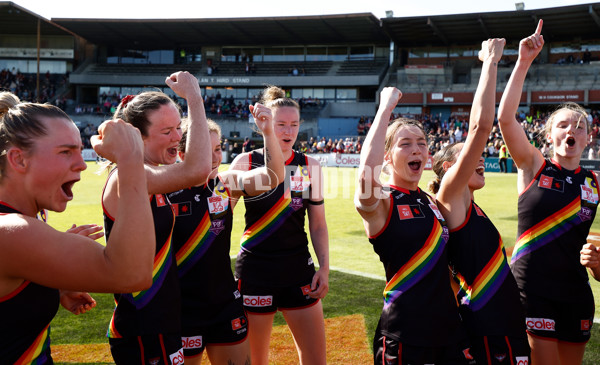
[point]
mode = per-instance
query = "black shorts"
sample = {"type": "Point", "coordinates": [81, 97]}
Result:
{"type": "Point", "coordinates": [497, 350]}
{"type": "Point", "coordinates": [161, 349]}
{"type": "Point", "coordinates": [562, 321]}
{"type": "Point", "coordinates": [265, 299]}
{"type": "Point", "coordinates": [230, 328]}
{"type": "Point", "coordinates": [391, 352]}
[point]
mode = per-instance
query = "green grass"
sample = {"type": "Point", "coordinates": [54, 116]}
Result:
{"type": "Point", "coordinates": [350, 252]}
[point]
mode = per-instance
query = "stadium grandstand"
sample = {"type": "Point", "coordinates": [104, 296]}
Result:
{"type": "Point", "coordinates": [334, 65]}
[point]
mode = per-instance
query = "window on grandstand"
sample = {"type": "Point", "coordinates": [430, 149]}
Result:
{"type": "Point", "coordinates": [329, 94]}
{"type": "Point", "coordinates": [337, 53]}
{"type": "Point", "coordinates": [565, 49]}
{"type": "Point", "coordinates": [254, 54]}
{"type": "Point", "coordinates": [164, 57]}
{"type": "Point", "coordinates": [316, 53]}
{"type": "Point", "coordinates": [361, 53]}
{"type": "Point", "coordinates": [254, 92]}
{"type": "Point", "coordinates": [274, 54]}
{"type": "Point", "coordinates": [417, 53]}
{"type": "Point", "coordinates": [30, 66]}
{"type": "Point", "coordinates": [345, 95]}
{"type": "Point", "coordinates": [294, 54]}
{"type": "Point", "coordinates": [231, 54]}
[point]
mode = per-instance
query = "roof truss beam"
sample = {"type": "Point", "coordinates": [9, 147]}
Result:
{"type": "Point", "coordinates": [437, 31]}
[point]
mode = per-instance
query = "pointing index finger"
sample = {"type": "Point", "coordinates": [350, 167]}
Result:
{"type": "Point", "coordinates": [538, 30]}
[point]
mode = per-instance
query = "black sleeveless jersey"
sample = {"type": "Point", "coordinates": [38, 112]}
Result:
{"type": "Point", "coordinates": [157, 309]}
{"type": "Point", "coordinates": [201, 242]}
{"type": "Point", "coordinates": [419, 307]}
{"type": "Point", "coordinates": [25, 319]}
{"type": "Point", "coordinates": [556, 212]}
{"type": "Point", "coordinates": [488, 295]}
{"type": "Point", "coordinates": [274, 246]}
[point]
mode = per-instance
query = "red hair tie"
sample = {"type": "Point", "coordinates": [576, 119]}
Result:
{"type": "Point", "coordinates": [126, 100]}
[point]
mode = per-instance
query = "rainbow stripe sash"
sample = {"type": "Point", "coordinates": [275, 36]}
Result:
{"type": "Point", "coordinates": [272, 220]}
{"type": "Point", "coordinates": [162, 263]}
{"type": "Point", "coordinates": [417, 267]}
{"type": "Point", "coordinates": [547, 230]}
{"type": "Point", "coordinates": [196, 246]}
{"type": "Point", "coordinates": [36, 353]}
{"type": "Point", "coordinates": [486, 284]}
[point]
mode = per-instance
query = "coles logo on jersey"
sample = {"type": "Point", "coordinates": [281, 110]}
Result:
{"type": "Point", "coordinates": [589, 191]}
{"type": "Point", "coordinates": [238, 323]}
{"type": "Point", "coordinates": [410, 212]}
{"type": "Point", "coordinates": [543, 324]}
{"type": "Point", "coordinates": [181, 209]}
{"type": "Point", "coordinates": [305, 289]}
{"type": "Point", "coordinates": [585, 325]}
{"type": "Point", "coordinates": [436, 211]}
{"type": "Point", "coordinates": [522, 360]}
{"type": "Point", "coordinates": [177, 357]}
{"type": "Point", "coordinates": [217, 204]}
{"type": "Point", "coordinates": [160, 200]}
{"type": "Point", "coordinates": [258, 301]}
{"type": "Point", "coordinates": [551, 183]}
{"type": "Point", "coordinates": [189, 343]}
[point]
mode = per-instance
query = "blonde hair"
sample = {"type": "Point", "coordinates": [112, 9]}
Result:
{"type": "Point", "coordinates": [21, 124]}
{"type": "Point", "coordinates": [7, 101]}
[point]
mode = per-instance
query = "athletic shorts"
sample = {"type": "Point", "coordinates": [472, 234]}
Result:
{"type": "Point", "coordinates": [230, 328]}
{"type": "Point", "coordinates": [388, 351]}
{"type": "Point", "coordinates": [161, 349]}
{"type": "Point", "coordinates": [497, 350]}
{"type": "Point", "coordinates": [562, 321]}
{"type": "Point", "coordinates": [264, 299]}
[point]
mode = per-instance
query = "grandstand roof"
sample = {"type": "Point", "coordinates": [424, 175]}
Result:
{"type": "Point", "coordinates": [171, 33]}
{"type": "Point", "coordinates": [15, 19]}
{"type": "Point", "coordinates": [565, 23]}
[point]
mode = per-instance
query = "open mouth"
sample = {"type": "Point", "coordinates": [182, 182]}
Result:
{"type": "Point", "coordinates": [415, 165]}
{"type": "Point", "coordinates": [67, 188]}
{"type": "Point", "coordinates": [172, 151]}
{"type": "Point", "coordinates": [287, 140]}
{"type": "Point", "coordinates": [480, 170]}
{"type": "Point", "coordinates": [570, 141]}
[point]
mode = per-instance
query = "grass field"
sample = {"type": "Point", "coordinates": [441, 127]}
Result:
{"type": "Point", "coordinates": [357, 276]}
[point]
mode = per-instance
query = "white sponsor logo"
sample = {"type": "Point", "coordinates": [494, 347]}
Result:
{"type": "Point", "coordinates": [522, 360]}
{"type": "Point", "coordinates": [191, 342]}
{"type": "Point", "coordinates": [177, 357]}
{"type": "Point", "coordinates": [543, 324]}
{"type": "Point", "coordinates": [258, 301]}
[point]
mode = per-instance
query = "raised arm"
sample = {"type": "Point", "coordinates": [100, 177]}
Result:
{"type": "Point", "coordinates": [257, 181]}
{"type": "Point", "coordinates": [454, 195]}
{"type": "Point", "coordinates": [34, 251]}
{"type": "Point", "coordinates": [369, 193]}
{"type": "Point", "coordinates": [527, 158]}
{"type": "Point", "coordinates": [197, 165]}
